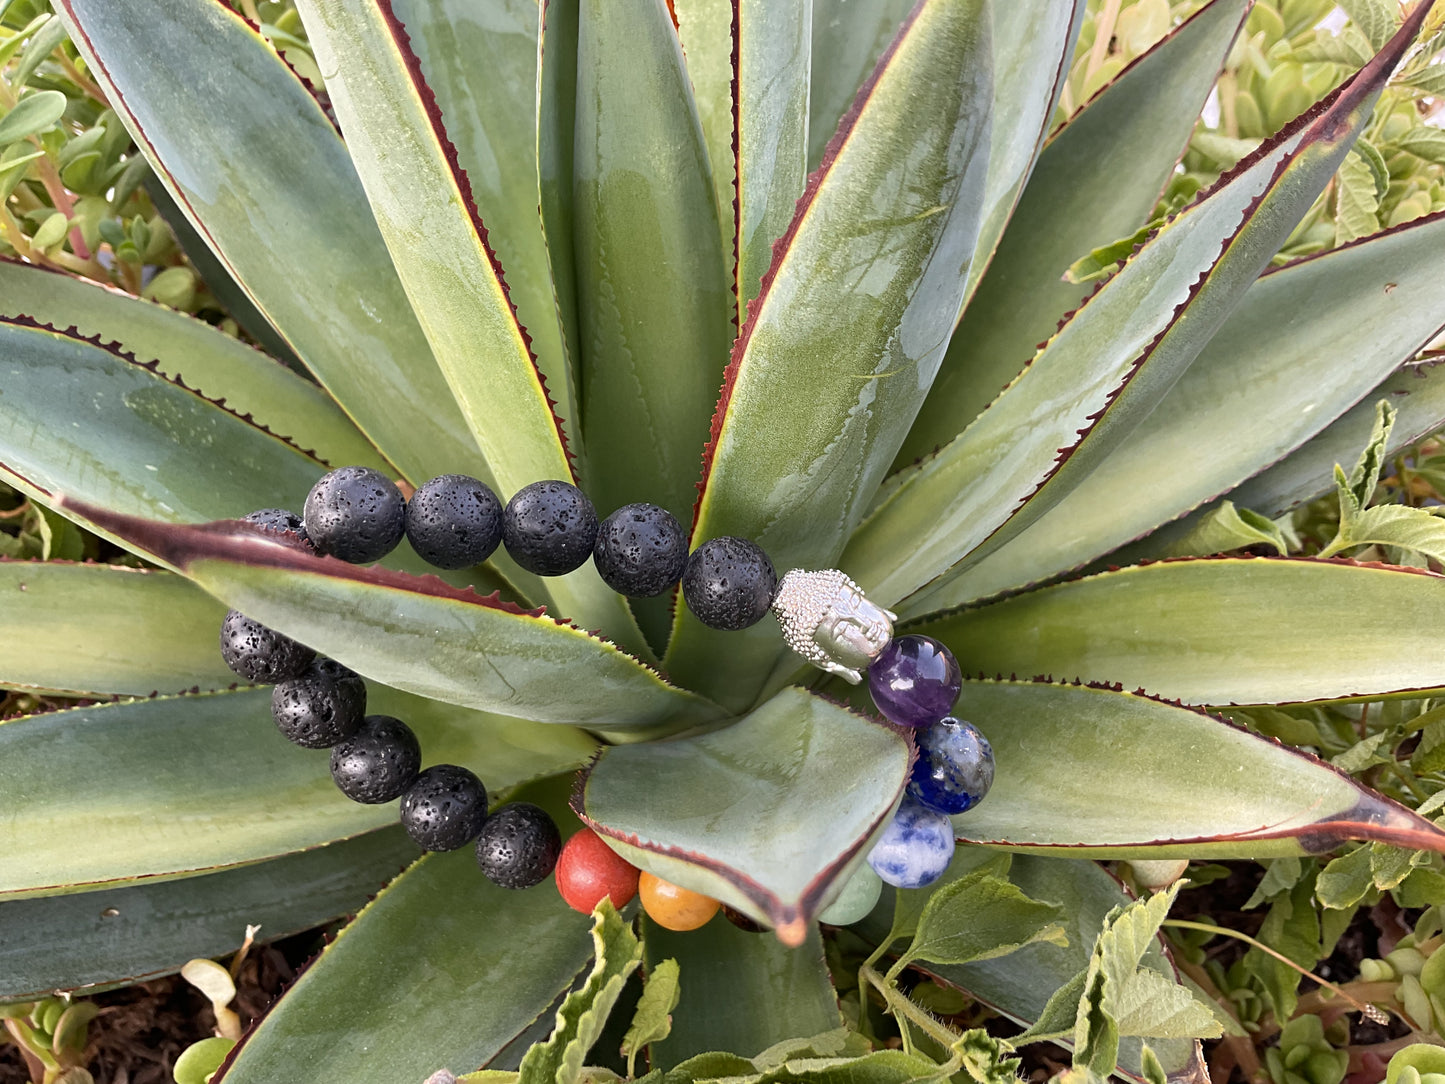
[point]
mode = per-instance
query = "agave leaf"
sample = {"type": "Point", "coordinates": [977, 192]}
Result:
{"type": "Point", "coordinates": [848, 38]}
{"type": "Point", "coordinates": [741, 992]}
{"type": "Point", "coordinates": [423, 204]}
{"type": "Point", "coordinates": [652, 283]}
{"type": "Point", "coordinates": [198, 783]}
{"type": "Point", "coordinates": [417, 633]}
{"type": "Point", "coordinates": [117, 936]}
{"type": "Point", "coordinates": [1307, 341]}
{"type": "Point", "coordinates": [483, 68]}
{"type": "Point", "coordinates": [1114, 359]}
{"type": "Point", "coordinates": [1097, 178]}
{"type": "Point", "coordinates": [261, 173]}
{"type": "Point", "coordinates": [1214, 630]}
{"type": "Point", "coordinates": [732, 813]}
{"type": "Point", "coordinates": [216, 365]}
{"type": "Point", "coordinates": [823, 383]}
{"type": "Point", "coordinates": [556, 126]}
{"type": "Point", "coordinates": [475, 972]}
{"type": "Point", "coordinates": [707, 29]}
{"type": "Point", "coordinates": [1234, 795]}
{"type": "Point", "coordinates": [1020, 984]}
{"type": "Point", "coordinates": [106, 629]}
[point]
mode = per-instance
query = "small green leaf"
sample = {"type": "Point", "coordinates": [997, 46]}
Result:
{"type": "Point", "coordinates": [652, 1022]}
{"type": "Point", "coordinates": [1358, 202]}
{"type": "Point", "coordinates": [199, 1060]}
{"type": "Point", "coordinates": [1280, 875]}
{"type": "Point", "coordinates": [1228, 528]}
{"type": "Point", "coordinates": [582, 1015]}
{"type": "Point", "coordinates": [1422, 1058]}
{"type": "Point", "coordinates": [32, 114]}
{"type": "Point", "coordinates": [1377, 18]}
{"type": "Point", "coordinates": [1366, 473]}
{"type": "Point", "coordinates": [1389, 866]}
{"type": "Point", "coordinates": [1102, 262]}
{"type": "Point", "coordinates": [51, 232]}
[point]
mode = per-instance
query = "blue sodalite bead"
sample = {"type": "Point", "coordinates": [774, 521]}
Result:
{"type": "Point", "coordinates": [915, 848]}
{"type": "Point", "coordinates": [954, 768]}
{"type": "Point", "coordinates": [915, 681]}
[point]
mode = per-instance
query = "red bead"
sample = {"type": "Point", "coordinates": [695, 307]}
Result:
{"type": "Point", "coordinates": [588, 870]}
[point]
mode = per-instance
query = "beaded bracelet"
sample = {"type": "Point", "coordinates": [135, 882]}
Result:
{"type": "Point", "coordinates": [550, 528]}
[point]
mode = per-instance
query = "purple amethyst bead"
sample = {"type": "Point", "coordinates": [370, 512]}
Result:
{"type": "Point", "coordinates": [915, 681]}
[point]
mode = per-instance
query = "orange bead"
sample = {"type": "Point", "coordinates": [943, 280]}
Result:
{"type": "Point", "coordinates": [672, 906]}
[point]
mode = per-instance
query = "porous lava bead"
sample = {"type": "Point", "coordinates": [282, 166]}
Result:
{"type": "Point", "coordinates": [378, 762]}
{"type": "Point", "coordinates": [321, 707]}
{"type": "Point", "coordinates": [954, 768]}
{"type": "Point", "coordinates": [444, 808]}
{"type": "Point", "coordinates": [356, 514]}
{"type": "Point", "coordinates": [454, 521]}
{"type": "Point", "coordinates": [549, 528]}
{"type": "Point", "coordinates": [258, 653]}
{"type": "Point", "coordinates": [915, 848]}
{"type": "Point", "coordinates": [641, 550]}
{"type": "Point", "coordinates": [729, 583]}
{"type": "Point", "coordinates": [277, 519]}
{"type": "Point", "coordinates": [518, 846]}
{"type": "Point", "coordinates": [588, 870]}
{"type": "Point", "coordinates": [672, 906]}
{"type": "Point", "coordinates": [915, 681]}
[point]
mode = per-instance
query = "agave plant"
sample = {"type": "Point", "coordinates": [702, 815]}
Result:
{"type": "Point", "coordinates": [808, 243]}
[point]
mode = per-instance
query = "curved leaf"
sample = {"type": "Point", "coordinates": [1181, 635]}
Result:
{"type": "Point", "coordinates": [1097, 179]}
{"type": "Point", "coordinates": [845, 335]}
{"type": "Point", "coordinates": [1302, 347]}
{"type": "Point", "coordinates": [419, 634]}
{"type": "Point", "coordinates": [260, 172]}
{"type": "Point", "coordinates": [216, 365]}
{"type": "Point", "coordinates": [106, 629]}
{"type": "Point", "coordinates": [556, 124]}
{"type": "Point", "coordinates": [1198, 786]}
{"type": "Point", "coordinates": [1214, 631]}
{"type": "Point", "coordinates": [707, 30]}
{"type": "Point", "coordinates": [769, 815]}
{"type": "Point", "coordinates": [124, 935]}
{"type": "Point", "coordinates": [197, 783]}
{"type": "Point", "coordinates": [1114, 359]}
{"type": "Point", "coordinates": [848, 38]}
{"type": "Point", "coordinates": [468, 988]}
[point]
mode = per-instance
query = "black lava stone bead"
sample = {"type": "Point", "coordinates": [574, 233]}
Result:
{"type": "Point", "coordinates": [257, 653]}
{"type": "Point", "coordinates": [276, 519]}
{"type": "Point", "coordinates": [356, 514]}
{"type": "Point", "coordinates": [454, 521]}
{"type": "Point", "coordinates": [549, 528]}
{"type": "Point", "coordinates": [444, 809]}
{"type": "Point", "coordinates": [518, 846]}
{"type": "Point", "coordinates": [378, 762]}
{"type": "Point", "coordinates": [640, 550]}
{"type": "Point", "coordinates": [321, 707]}
{"type": "Point", "coordinates": [729, 583]}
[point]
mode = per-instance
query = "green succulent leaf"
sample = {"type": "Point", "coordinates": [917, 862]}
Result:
{"type": "Point", "coordinates": [1113, 360]}
{"type": "Point", "coordinates": [741, 992]}
{"type": "Point", "coordinates": [132, 934]}
{"type": "Point", "coordinates": [469, 988]}
{"type": "Point", "coordinates": [770, 815]}
{"type": "Point", "coordinates": [1213, 631]}
{"type": "Point", "coordinates": [652, 1022]}
{"type": "Point", "coordinates": [214, 364]}
{"type": "Point", "coordinates": [706, 31]}
{"type": "Point", "coordinates": [197, 783]}
{"type": "Point", "coordinates": [556, 128]}
{"type": "Point", "coordinates": [106, 629]}
{"type": "Point", "coordinates": [830, 369]}
{"type": "Point", "coordinates": [1097, 178]}
{"type": "Point", "coordinates": [291, 200]}
{"type": "Point", "coordinates": [851, 35]}
{"type": "Point", "coordinates": [33, 113]}
{"type": "Point", "coordinates": [1307, 341]}
{"type": "Point", "coordinates": [418, 634]}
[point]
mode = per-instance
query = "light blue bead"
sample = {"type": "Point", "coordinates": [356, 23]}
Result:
{"type": "Point", "coordinates": [915, 848]}
{"type": "Point", "coordinates": [858, 898]}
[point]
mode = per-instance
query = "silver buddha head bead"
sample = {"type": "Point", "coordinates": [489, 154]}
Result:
{"type": "Point", "coordinates": [828, 620]}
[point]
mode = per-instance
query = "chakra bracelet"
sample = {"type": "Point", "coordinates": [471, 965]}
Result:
{"type": "Point", "coordinates": [550, 528]}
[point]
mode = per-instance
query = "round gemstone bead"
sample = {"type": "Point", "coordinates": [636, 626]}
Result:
{"type": "Point", "coordinates": [915, 848]}
{"type": "Point", "coordinates": [356, 514]}
{"type": "Point", "coordinates": [856, 901]}
{"type": "Point", "coordinates": [641, 550]}
{"type": "Point", "coordinates": [672, 906]}
{"type": "Point", "coordinates": [954, 768]}
{"type": "Point", "coordinates": [454, 521]}
{"type": "Point", "coordinates": [518, 846]}
{"type": "Point", "coordinates": [729, 583]}
{"type": "Point", "coordinates": [549, 528]}
{"type": "Point", "coordinates": [321, 707]}
{"type": "Point", "coordinates": [444, 808]}
{"type": "Point", "coordinates": [915, 681]}
{"type": "Point", "coordinates": [378, 762]}
{"type": "Point", "coordinates": [588, 870]}
{"type": "Point", "coordinates": [258, 653]}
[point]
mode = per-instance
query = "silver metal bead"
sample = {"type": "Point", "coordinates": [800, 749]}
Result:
{"type": "Point", "coordinates": [828, 620]}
